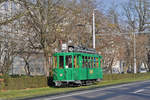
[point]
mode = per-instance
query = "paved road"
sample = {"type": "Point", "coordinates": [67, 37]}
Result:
{"type": "Point", "coordinates": [132, 91]}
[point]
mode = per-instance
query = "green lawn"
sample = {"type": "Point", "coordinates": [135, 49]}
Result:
{"type": "Point", "coordinates": [13, 94]}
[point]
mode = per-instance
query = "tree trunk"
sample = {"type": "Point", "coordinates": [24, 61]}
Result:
{"type": "Point", "coordinates": [110, 65]}
{"type": "Point", "coordinates": [46, 66]}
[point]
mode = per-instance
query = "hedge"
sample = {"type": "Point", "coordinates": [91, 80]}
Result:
{"type": "Point", "coordinates": [23, 82]}
{"type": "Point", "coordinates": [124, 76]}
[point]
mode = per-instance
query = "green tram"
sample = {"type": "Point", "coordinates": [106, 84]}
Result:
{"type": "Point", "coordinates": [76, 68]}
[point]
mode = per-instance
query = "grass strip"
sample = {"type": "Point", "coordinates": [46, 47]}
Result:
{"type": "Point", "coordinates": [25, 93]}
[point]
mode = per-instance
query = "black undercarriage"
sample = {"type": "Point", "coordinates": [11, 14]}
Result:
{"type": "Point", "coordinates": [76, 83]}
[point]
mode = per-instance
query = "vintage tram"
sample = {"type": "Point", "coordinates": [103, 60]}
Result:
{"type": "Point", "coordinates": [76, 66]}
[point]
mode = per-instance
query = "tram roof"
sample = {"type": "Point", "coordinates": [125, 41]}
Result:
{"type": "Point", "coordinates": [76, 53]}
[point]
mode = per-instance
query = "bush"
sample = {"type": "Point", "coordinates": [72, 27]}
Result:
{"type": "Point", "coordinates": [23, 82]}
{"type": "Point", "coordinates": [1, 82]}
{"type": "Point", "coordinates": [124, 76]}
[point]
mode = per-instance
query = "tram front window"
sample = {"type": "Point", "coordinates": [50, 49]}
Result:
{"type": "Point", "coordinates": [61, 62]}
{"type": "Point", "coordinates": [68, 61]}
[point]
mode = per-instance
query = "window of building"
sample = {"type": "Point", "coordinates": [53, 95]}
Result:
{"type": "Point", "coordinates": [5, 5]}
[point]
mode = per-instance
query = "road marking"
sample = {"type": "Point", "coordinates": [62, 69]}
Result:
{"type": "Point", "coordinates": [142, 94]}
{"type": "Point", "coordinates": [139, 91]}
{"type": "Point", "coordinates": [90, 91]}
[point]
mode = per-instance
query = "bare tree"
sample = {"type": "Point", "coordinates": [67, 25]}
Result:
{"type": "Point", "coordinates": [7, 54]}
{"type": "Point", "coordinates": [137, 14]}
{"type": "Point", "coordinates": [45, 21]}
{"type": "Point", "coordinates": [7, 45]}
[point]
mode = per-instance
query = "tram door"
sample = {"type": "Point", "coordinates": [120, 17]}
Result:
{"type": "Point", "coordinates": [76, 75]}
{"type": "Point", "coordinates": [60, 70]}
{"type": "Point", "coordinates": [68, 67]}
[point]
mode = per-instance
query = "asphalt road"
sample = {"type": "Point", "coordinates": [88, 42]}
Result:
{"type": "Point", "coordinates": [131, 91]}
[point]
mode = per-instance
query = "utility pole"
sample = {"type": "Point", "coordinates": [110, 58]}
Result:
{"type": "Point", "coordinates": [11, 12]}
{"type": "Point", "coordinates": [134, 53]}
{"type": "Point", "coordinates": [94, 28]}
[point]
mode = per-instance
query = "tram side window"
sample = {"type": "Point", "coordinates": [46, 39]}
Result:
{"type": "Point", "coordinates": [78, 61]}
{"type": "Point", "coordinates": [68, 61]}
{"type": "Point", "coordinates": [83, 61]}
{"type": "Point", "coordinates": [55, 62]}
{"type": "Point", "coordinates": [86, 61]}
{"type": "Point", "coordinates": [101, 63]}
{"type": "Point", "coordinates": [92, 62]}
{"type": "Point", "coordinates": [97, 62]}
{"type": "Point", "coordinates": [61, 62]}
{"type": "Point", "coordinates": [89, 62]}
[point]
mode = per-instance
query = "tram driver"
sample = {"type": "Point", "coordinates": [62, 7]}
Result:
{"type": "Point", "coordinates": [69, 62]}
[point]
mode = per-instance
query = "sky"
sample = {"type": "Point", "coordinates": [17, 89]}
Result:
{"type": "Point", "coordinates": [108, 3]}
